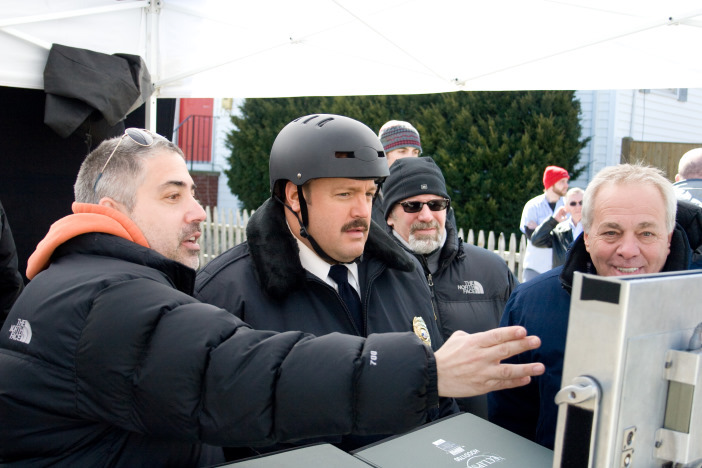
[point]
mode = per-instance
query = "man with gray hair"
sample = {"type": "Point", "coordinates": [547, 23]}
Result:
{"type": "Point", "coordinates": [557, 232]}
{"type": "Point", "coordinates": [628, 228]}
{"type": "Point", "coordinates": [688, 180]}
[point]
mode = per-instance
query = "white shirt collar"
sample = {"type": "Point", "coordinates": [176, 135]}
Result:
{"type": "Point", "coordinates": [576, 228]}
{"type": "Point", "coordinates": [318, 267]}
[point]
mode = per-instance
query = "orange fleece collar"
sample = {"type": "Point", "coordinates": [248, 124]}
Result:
{"type": "Point", "coordinates": [87, 218]}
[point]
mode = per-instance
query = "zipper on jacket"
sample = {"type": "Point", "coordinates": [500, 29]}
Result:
{"type": "Point", "coordinates": [430, 282]}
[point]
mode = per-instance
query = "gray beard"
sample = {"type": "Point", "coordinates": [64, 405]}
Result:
{"type": "Point", "coordinates": [423, 246]}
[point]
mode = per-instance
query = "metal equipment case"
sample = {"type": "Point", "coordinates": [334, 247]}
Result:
{"type": "Point", "coordinates": [631, 389]}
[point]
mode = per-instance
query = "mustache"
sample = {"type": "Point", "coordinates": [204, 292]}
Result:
{"type": "Point", "coordinates": [420, 225]}
{"type": "Point", "coordinates": [356, 223]}
{"type": "Point", "coordinates": [190, 231]}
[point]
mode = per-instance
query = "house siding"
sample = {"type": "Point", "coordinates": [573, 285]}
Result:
{"type": "Point", "coordinates": [607, 116]}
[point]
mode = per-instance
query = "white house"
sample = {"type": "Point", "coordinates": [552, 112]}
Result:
{"type": "Point", "coordinates": [665, 115]}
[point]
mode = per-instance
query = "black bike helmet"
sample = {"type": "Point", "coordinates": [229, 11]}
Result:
{"type": "Point", "coordinates": [323, 146]}
{"type": "Point", "coordinates": [326, 145]}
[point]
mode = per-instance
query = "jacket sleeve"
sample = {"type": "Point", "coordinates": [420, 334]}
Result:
{"type": "Point", "coordinates": [11, 281]}
{"type": "Point", "coordinates": [515, 409]}
{"type": "Point", "coordinates": [170, 366]}
{"type": "Point", "coordinates": [542, 234]}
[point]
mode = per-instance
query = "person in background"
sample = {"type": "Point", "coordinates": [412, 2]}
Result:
{"type": "Point", "coordinates": [11, 282]}
{"type": "Point", "coordinates": [629, 228]}
{"type": "Point", "coordinates": [400, 140]}
{"type": "Point", "coordinates": [539, 259]}
{"type": "Point", "coordinates": [688, 180]}
{"type": "Point", "coordinates": [469, 285]}
{"type": "Point", "coordinates": [107, 360]}
{"type": "Point", "coordinates": [688, 190]}
{"type": "Point", "coordinates": [557, 232]}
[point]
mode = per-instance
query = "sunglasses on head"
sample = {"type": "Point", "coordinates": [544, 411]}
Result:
{"type": "Point", "coordinates": [138, 136]}
{"type": "Point", "coordinates": [573, 203]}
{"type": "Point", "coordinates": [434, 205]}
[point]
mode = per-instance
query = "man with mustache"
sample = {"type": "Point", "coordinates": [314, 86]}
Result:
{"type": "Point", "coordinates": [629, 227]}
{"type": "Point", "coordinates": [324, 171]}
{"type": "Point", "coordinates": [469, 285]}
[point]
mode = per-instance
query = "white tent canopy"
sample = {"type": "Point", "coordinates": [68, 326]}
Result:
{"type": "Point", "coordinates": [274, 48]}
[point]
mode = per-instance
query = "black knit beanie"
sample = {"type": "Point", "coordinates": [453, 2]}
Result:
{"type": "Point", "coordinates": [412, 176]}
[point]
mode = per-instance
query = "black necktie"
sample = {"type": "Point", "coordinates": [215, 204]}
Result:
{"type": "Point", "coordinates": [340, 274]}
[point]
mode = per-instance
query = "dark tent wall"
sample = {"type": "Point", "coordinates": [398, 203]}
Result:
{"type": "Point", "coordinates": [39, 167]}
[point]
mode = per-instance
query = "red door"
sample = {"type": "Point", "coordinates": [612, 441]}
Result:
{"type": "Point", "coordinates": [195, 130]}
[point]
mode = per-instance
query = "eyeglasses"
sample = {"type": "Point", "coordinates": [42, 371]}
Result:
{"type": "Point", "coordinates": [138, 136]}
{"type": "Point", "coordinates": [573, 203]}
{"type": "Point", "coordinates": [434, 205]}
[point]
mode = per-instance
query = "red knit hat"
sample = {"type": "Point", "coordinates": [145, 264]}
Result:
{"type": "Point", "coordinates": [553, 174]}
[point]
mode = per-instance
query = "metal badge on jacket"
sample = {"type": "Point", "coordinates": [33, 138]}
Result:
{"type": "Point", "coordinates": [421, 330]}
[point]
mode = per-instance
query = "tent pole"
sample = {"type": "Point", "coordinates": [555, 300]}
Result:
{"type": "Point", "coordinates": [150, 123]}
{"type": "Point", "coordinates": [152, 30]}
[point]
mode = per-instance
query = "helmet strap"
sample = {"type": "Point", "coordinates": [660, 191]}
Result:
{"type": "Point", "coordinates": [305, 234]}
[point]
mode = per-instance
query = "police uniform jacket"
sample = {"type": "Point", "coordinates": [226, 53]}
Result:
{"type": "Point", "coordinates": [262, 281]}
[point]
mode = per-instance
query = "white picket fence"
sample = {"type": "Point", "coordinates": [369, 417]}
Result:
{"type": "Point", "coordinates": [223, 230]}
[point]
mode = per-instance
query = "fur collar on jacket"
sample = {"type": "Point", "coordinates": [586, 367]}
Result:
{"type": "Point", "coordinates": [276, 256]}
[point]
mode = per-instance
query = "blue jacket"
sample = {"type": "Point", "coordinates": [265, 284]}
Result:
{"type": "Point", "coordinates": [542, 306]}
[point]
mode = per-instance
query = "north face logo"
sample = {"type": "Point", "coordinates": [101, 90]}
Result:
{"type": "Point", "coordinates": [471, 287]}
{"type": "Point", "coordinates": [21, 332]}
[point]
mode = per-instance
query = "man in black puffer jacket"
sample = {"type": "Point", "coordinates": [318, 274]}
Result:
{"type": "Point", "coordinates": [469, 285]}
{"type": "Point", "coordinates": [107, 360]}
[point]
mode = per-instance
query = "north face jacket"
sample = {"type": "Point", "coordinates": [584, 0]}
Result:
{"type": "Point", "coordinates": [107, 360]}
{"type": "Point", "coordinates": [470, 287]}
{"type": "Point", "coordinates": [469, 290]}
{"type": "Point", "coordinates": [542, 306]}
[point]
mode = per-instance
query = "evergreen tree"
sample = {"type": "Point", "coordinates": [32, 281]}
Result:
{"type": "Point", "coordinates": [491, 146]}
